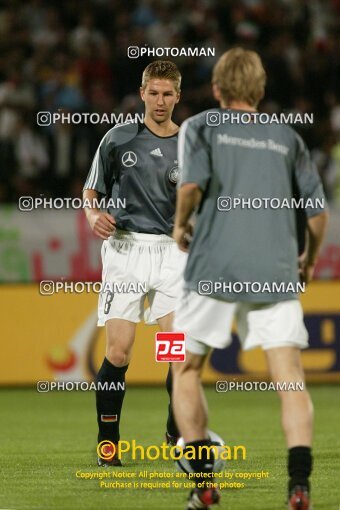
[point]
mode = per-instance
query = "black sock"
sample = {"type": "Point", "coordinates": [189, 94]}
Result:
{"type": "Point", "coordinates": [203, 461]}
{"type": "Point", "coordinates": [171, 426]}
{"type": "Point", "coordinates": [109, 402]}
{"type": "Point", "coordinates": [299, 466]}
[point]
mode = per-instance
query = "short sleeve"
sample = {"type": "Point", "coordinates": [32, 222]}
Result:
{"type": "Point", "coordinates": [308, 181]}
{"type": "Point", "coordinates": [99, 172]}
{"type": "Point", "coordinates": [193, 155]}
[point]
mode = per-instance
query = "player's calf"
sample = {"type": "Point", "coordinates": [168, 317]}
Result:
{"type": "Point", "coordinates": [110, 380]}
{"type": "Point", "coordinates": [172, 433]}
{"type": "Point", "coordinates": [299, 469]}
{"type": "Point", "coordinates": [110, 394]}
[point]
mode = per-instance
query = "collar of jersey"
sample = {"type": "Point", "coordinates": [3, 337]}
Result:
{"type": "Point", "coordinates": [162, 137]}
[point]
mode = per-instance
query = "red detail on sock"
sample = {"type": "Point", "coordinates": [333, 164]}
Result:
{"type": "Point", "coordinates": [209, 497]}
{"type": "Point", "coordinates": [299, 501]}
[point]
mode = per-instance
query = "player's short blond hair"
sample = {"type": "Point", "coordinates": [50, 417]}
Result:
{"type": "Point", "coordinates": [240, 76]}
{"type": "Point", "coordinates": [164, 70]}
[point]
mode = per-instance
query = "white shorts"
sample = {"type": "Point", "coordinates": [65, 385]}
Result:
{"type": "Point", "coordinates": [207, 323]}
{"type": "Point", "coordinates": [140, 265]}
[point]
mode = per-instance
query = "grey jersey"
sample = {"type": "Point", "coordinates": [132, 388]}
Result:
{"type": "Point", "coordinates": [243, 244]}
{"type": "Point", "coordinates": [139, 168]}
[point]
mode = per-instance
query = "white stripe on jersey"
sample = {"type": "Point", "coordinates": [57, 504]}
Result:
{"type": "Point", "coordinates": [181, 141]}
{"type": "Point", "coordinates": [93, 177]}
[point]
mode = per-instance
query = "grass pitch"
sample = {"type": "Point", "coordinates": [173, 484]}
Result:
{"type": "Point", "coordinates": [46, 438]}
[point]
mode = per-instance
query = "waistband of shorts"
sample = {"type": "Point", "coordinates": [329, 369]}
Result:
{"type": "Point", "coordinates": [133, 237]}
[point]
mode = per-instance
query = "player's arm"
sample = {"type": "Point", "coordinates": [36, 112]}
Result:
{"type": "Point", "coordinates": [317, 226]}
{"type": "Point", "coordinates": [194, 168]}
{"type": "Point", "coordinates": [188, 198]}
{"type": "Point", "coordinates": [310, 187]}
{"type": "Point", "coordinates": [101, 223]}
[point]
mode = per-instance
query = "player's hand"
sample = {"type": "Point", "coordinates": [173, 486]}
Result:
{"type": "Point", "coordinates": [306, 274]}
{"type": "Point", "coordinates": [102, 224]}
{"type": "Point", "coordinates": [183, 236]}
{"type": "Point", "coordinates": [306, 269]}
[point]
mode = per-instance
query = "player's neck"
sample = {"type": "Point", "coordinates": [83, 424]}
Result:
{"type": "Point", "coordinates": [238, 105]}
{"type": "Point", "coordinates": [167, 128]}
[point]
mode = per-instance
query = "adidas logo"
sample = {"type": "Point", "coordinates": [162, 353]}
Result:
{"type": "Point", "coordinates": [157, 152]}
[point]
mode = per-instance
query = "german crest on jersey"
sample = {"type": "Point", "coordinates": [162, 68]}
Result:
{"type": "Point", "coordinates": [173, 175]}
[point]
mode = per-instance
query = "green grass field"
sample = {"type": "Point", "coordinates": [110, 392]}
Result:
{"type": "Point", "coordinates": [47, 437]}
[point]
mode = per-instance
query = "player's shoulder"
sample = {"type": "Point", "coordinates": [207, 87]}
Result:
{"type": "Point", "coordinates": [121, 133]}
{"type": "Point", "coordinates": [292, 137]}
{"type": "Point", "coordinates": [197, 121]}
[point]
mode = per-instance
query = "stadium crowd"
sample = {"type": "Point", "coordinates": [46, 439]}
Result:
{"type": "Point", "coordinates": [71, 56]}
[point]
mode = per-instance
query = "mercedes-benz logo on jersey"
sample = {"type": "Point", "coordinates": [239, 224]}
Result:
{"type": "Point", "coordinates": [173, 175]}
{"type": "Point", "coordinates": [129, 158]}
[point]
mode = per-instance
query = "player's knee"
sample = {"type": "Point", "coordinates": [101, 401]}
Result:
{"type": "Point", "coordinates": [285, 375]}
{"type": "Point", "coordinates": [119, 357]}
{"type": "Point", "coordinates": [190, 366]}
{"type": "Point", "coordinates": [194, 362]}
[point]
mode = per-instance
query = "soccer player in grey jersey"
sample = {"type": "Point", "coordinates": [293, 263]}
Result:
{"type": "Point", "coordinates": [244, 246]}
{"type": "Point", "coordinates": [136, 166]}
